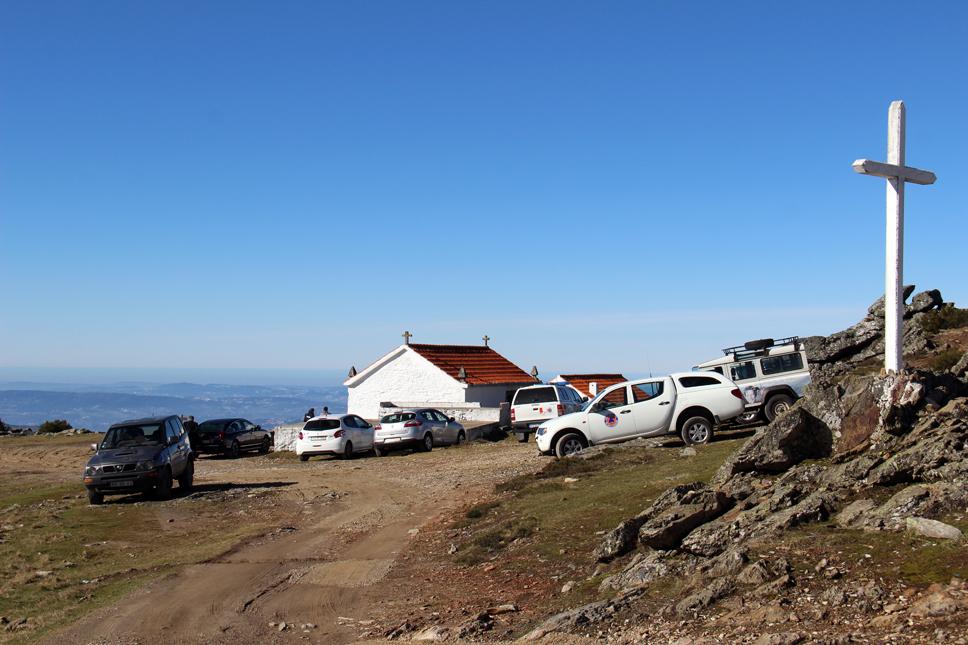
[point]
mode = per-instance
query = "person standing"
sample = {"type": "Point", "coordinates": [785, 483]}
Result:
{"type": "Point", "coordinates": [310, 413]}
{"type": "Point", "coordinates": [325, 411]}
{"type": "Point", "coordinates": [192, 429]}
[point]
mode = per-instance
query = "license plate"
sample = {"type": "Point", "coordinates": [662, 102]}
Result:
{"type": "Point", "coordinates": [391, 440]}
{"type": "Point", "coordinates": [533, 425]}
{"type": "Point", "coordinates": [124, 483]}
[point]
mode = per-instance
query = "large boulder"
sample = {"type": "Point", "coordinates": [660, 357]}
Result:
{"type": "Point", "coordinates": [622, 538]}
{"type": "Point", "coordinates": [788, 440]}
{"type": "Point", "coordinates": [667, 529]}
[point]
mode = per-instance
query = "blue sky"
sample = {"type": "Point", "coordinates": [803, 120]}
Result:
{"type": "Point", "coordinates": [598, 186]}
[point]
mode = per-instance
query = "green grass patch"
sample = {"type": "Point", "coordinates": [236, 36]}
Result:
{"type": "Point", "coordinates": [563, 518]}
{"type": "Point", "coordinates": [944, 360]}
{"type": "Point", "coordinates": [949, 317]}
{"type": "Point", "coordinates": [61, 558]}
{"type": "Point", "coordinates": [903, 556]}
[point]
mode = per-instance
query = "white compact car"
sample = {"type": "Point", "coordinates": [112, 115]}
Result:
{"type": "Point", "coordinates": [335, 434]}
{"type": "Point", "coordinates": [691, 404]}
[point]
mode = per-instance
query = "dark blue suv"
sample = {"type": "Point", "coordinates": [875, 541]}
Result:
{"type": "Point", "coordinates": [141, 455]}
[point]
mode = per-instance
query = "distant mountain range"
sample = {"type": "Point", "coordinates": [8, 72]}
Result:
{"type": "Point", "coordinates": [98, 406]}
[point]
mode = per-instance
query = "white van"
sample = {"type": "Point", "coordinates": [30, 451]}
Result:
{"type": "Point", "coordinates": [536, 403]}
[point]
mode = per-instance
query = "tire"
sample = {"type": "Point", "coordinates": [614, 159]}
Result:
{"type": "Point", "coordinates": [461, 438]}
{"type": "Point", "coordinates": [428, 443]}
{"type": "Point", "coordinates": [163, 489]}
{"type": "Point", "coordinates": [348, 450]}
{"type": "Point", "coordinates": [522, 437]}
{"type": "Point", "coordinates": [303, 457]}
{"type": "Point", "coordinates": [95, 498]}
{"type": "Point", "coordinates": [188, 477]}
{"type": "Point", "coordinates": [697, 430]}
{"type": "Point", "coordinates": [264, 446]}
{"type": "Point", "coordinates": [570, 444]}
{"type": "Point", "coordinates": [234, 450]}
{"type": "Point", "coordinates": [776, 405]}
{"type": "Point", "coordinates": [379, 452]}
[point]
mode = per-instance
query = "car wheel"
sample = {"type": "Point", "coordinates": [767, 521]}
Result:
{"type": "Point", "coordinates": [379, 452]}
{"type": "Point", "coordinates": [522, 437]}
{"type": "Point", "coordinates": [570, 444]}
{"type": "Point", "coordinates": [303, 457]}
{"type": "Point", "coordinates": [697, 430]}
{"type": "Point", "coordinates": [461, 438]}
{"type": "Point", "coordinates": [777, 405]}
{"type": "Point", "coordinates": [95, 498]}
{"type": "Point", "coordinates": [187, 477]}
{"type": "Point", "coordinates": [234, 449]}
{"type": "Point", "coordinates": [264, 446]}
{"type": "Point", "coordinates": [428, 443]}
{"type": "Point", "coordinates": [163, 487]}
{"type": "Point", "coordinates": [348, 450]}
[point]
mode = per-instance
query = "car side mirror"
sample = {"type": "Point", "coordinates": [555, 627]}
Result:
{"type": "Point", "coordinates": [584, 399]}
{"type": "Point", "coordinates": [172, 441]}
{"type": "Point", "coordinates": [93, 447]}
{"type": "Point", "coordinates": [451, 419]}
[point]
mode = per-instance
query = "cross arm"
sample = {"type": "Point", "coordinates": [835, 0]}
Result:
{"type": "Point", "coordinates": [890, 171]}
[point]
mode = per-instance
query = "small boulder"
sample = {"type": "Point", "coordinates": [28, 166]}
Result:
{"type": "Point", "coordinates": [667, 530]}
{"type": "Point", "coordinates": [933, 529]}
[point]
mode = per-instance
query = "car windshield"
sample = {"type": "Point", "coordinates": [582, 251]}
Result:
{"type": "Point", "coordinates": [398, 417]}
{"type": "Point", "coordinates": [212, 426]}
{"type": "Point", "coordinates": [536, 395]}
{"type": "Point", "coordinates": [149, 434]}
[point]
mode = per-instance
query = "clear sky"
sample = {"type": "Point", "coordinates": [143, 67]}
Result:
{"type": "Point", "coordinates": [621, 186]}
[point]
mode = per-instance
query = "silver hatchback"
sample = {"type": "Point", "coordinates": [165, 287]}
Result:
{"type": "Point", "coordinates": [421, 429]}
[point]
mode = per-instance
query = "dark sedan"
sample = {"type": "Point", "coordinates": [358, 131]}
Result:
{"type": "Point", "coordinates": [231, 437]}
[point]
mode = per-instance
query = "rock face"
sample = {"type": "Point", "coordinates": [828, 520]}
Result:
{"type": "Point", "coordinates": [839, 353]}
{"type": "Point", "coordinates": [824, 459]}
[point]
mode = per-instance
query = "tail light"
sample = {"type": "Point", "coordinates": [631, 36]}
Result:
{"type": "Point", "coordinates": [411, 424]}
{"type": "Point", "coordinates": [561, 409]}
{"type": "Point", "coordinates": [221, 435]}
{"type": "Point", "coordinates": [512, 414]}
{"type": "Point", "coordinates": [300, 434]}
{"type": "Point", "coordinates": [737, 393]}
{"type": "Point", "coordinates": [338, 434]}
{"type": "Point", "coordinates": [378, 427]}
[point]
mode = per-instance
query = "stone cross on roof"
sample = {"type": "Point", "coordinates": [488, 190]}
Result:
{"type": "Point", "coordinates": [897, 174]}
{"type": "Point", "coordinates": [406, 337]}
{"type": "Point", "coordinates": [485, 339]}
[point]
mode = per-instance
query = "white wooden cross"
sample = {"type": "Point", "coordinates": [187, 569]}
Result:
{"type": "Point", "coordinates": [896, 174]}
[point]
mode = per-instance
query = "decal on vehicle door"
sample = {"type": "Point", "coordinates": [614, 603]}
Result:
{"type": "Point", "coordinates": [611, 420]}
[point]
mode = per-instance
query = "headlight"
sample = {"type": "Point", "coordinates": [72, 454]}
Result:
{"type": "Point", "coordinates": [91, 470]}
{"type": "Point", "coordinates": [145, 465]}
{"type": "Point", "coordinates": [540, 431]}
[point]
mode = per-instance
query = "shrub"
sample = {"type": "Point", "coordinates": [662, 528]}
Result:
{"type": "Point", "coordinates": [57, 425]}
{"type": "Point", "coordinates": [944, 360]}
{"type": "Point", "coordinates": [947, 317]}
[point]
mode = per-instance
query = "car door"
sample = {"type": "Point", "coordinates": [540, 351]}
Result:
{"type": "Point", "coordinates": [252, 437]}
{"type": "Point", "coordinates": [365, 431]}
{"type": "Point", "coordinates": [610, 419]}
{"type": "Point", "coordinates": [652, 406]}
{"type": "Point", "coordinates": [431, 423]}
{"type": "Point", "coordinates": [176, 456]}
{"type": "Point", "coordinates": [448, 431]}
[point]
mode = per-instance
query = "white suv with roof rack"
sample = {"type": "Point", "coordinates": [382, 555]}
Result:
{"type": "Point", "coordinates": [772, 374]}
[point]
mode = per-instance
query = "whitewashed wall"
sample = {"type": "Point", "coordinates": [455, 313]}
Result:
{"type": "Point", "coordinates": [285, 436]}
{"type": "Point", "coordinates": [408, 377]}
{"type": "Point", "coordinates": [462, 413]}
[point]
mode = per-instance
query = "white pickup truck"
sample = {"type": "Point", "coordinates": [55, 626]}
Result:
{"type": "Point", "coordinates": [690, 404]}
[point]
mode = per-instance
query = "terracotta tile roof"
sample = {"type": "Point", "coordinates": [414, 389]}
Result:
{"type": "Point", "coordinates": [482, 365]}
{"type": "Point", "coordinates": [581, 382]}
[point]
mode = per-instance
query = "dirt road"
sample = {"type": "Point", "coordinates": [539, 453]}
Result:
{"type": "Point", "coordinates": [324, 562]}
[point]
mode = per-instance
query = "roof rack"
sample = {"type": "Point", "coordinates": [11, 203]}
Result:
{"type": "Point", "coordinates": [760, 347]}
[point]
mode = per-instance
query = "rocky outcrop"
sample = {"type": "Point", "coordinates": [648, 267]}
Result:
{"type": "Point", "coordinates": [839, 353]}
{"type": "Point", "coordinates": [824, 459]}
